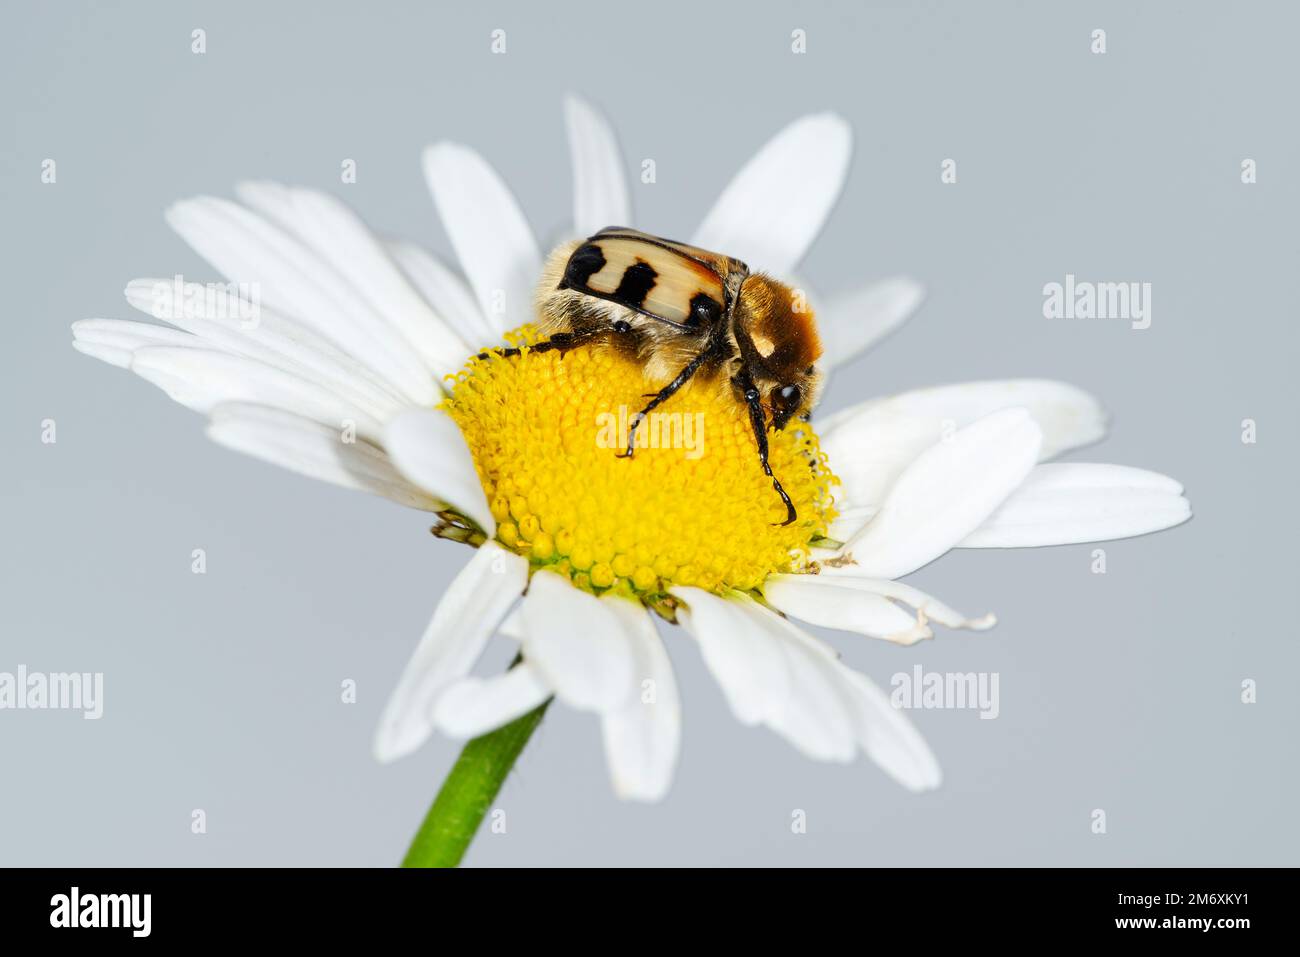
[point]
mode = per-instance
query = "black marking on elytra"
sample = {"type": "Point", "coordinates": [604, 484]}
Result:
{"type": "Point", "coordinates": [705, 311]}
{"type": "Point", "coordinates": [586, 261]}
{"type": "Point", "coordinates": [638, 279]}
{"type": "Point", "coordinates": [674, 246]}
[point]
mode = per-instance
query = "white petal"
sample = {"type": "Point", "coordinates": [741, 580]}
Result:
{"type": "Point", "coordinates": [773, 209]}
{"type": "Point", "coordinates": [292, 279]}
{"type": "Point", "coordinates": [513, 626]}
{"type": "Point", "coordinates": [578, 644]}
{"type": "Point", "coordinates": [201, 379]}
{"type": "Point", "coordinates": [746, 663]}
{"type": "Point", "coordinates": [115, 340]}
{"type": "Point", "coordinates": [128, 336]}
{"type": "Point", "coordinates": [849, 519]}
{"type": "Point", "coordinates": [771, 672]}
{"type": "Point", "coordinates": [870, 444]}
{"type": "Point", "coordinates": [853, 322]}
{"type": "Point", "coordinates": [113, 355]}
{"type": "Point", "coordinates": [815, 718]}
{"type": "Point", "coordinates": [214, 318]}
{"type": "Point", "coordinates": [492, 239]}
{"type": "Point", "coordinates": [642, 738]}
{"type": "Point", "coordinates": [474, 706]}
{"type": "Point", "coordinates": [1069, 417]}
{"type": "Point", "coordinates": [335, 233]}
{"type": "Point", "coordinates": [819, 602]}
{"type": "Point", "coordinates": [339, 237]}
{"type": "Point", "coordinates": [314, 450]}
{"type": "Point", "coordinates": [802, 596]}
{"type": "Point", "coordinates": [888, 736]}
{"type": "Point", "coordinates": [945, 494]}
{"type": "Point", "coordinates": [868, 454]}
{"type": "Point", "coordinates": [599, 187]}
{"type": "Point", "coordinates": [817, 710]}
{"type": "Point", "coordinates": [884, 733]}
{"type": "Point", "coordinates": [1076, 502]}
{"type": "Point", "coordinates": [466, 616]}
{"type": "Point", "coordinates": [428, 448]}
{"type": "Point", "coordinates": [448, 294]}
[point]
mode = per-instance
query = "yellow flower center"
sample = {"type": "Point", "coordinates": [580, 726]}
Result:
{"type": "Point", "coordinates": [690, 507]}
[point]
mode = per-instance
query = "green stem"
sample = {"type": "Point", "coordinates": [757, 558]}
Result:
{"type": "Point", "coordinates": [469, 791]}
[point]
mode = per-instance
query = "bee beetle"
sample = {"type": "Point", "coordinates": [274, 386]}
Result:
{"type": "Point", "coordinates": [686, 313]}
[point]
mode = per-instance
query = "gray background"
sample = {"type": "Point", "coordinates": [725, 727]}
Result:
{"type": "Point", "coordinates": [1118, 691]}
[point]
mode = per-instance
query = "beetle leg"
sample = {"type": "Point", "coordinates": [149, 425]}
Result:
{"type": "Point", "coordinates": [564, 341]}
{"type": "Point", "coordinates": [746, 386]}
{"type": "Point", "coordinates": [663, 395]}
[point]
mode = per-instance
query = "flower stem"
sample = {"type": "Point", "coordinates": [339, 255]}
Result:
{"type": "Point", "coordinates": [469, 791]}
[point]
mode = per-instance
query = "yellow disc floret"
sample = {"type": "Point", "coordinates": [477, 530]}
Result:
{"type": "Point", "coordinates": [690, 507]}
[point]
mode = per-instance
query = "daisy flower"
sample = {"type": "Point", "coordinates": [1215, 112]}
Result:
{"type": "Point", "coordinates": [374, 366]}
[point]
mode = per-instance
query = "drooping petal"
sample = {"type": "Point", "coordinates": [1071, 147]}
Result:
{"type": "Point", "coordinates": [468, 612]}
{"type": "Point", "coordinates": [474, 706]}
{"type": "Point", "coordinates": [883, 732]}
{"type": "Point", "coordinates": [428, 448]}
{"type": "Point", "coordinates": [338, 236]}
{"type": "Point", "coordinates": [770, 675]}
{"type": "Point", "coordinates": [448, 294]}
{"type": "Point", "coordinates": [578, 644]}
{"type": "Point", "coordinates": [944, 495]}
{"type": "Point", "coordinates": [292, 279]}
{"type": "Point", "coordinates": [746, 663]}
{"type": "Point", "coordinates": [600, 196]}
{"type": "Point", "coordinates": [828, 600]}
{"type": "Point", "coordinates": [888, 737]}
{"type": "Point", "coordinates": [851, 323]}
{"type": "Point", "coordinates": [773, 209]}
{"type": "Point", "coordinates": [818, 602]}
{"type": "Point", "coordinates": [805, 693]}
{"type": "Point", "coordinates": [1067, 503]}
{"type": "Point", "coordinates": [201, 379]}
{"type": "Point", "coordinates": [493, 241]}
{"type": "Point", "coordinates": [311, 449]}
{"type": "Point", "coordinates": [643, 737]}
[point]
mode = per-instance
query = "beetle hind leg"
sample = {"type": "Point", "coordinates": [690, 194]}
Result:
{"type": "Point", "coordinates": [564, 341]}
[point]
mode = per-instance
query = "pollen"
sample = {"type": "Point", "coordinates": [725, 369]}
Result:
{"type": "Point", "coordinates": [691, 506]}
